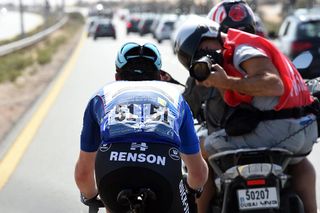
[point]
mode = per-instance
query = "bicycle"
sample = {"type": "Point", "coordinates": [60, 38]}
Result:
{"type": "Point", "coordinates": [134, 199]}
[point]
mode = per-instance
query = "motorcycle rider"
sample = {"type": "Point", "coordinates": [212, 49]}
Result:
{"type": "Point", "coordinates": [207, 104]}
{"type": "Point", "coordinates": [248, 69]}
{"type": "Point", "coordinates": [138, 112]}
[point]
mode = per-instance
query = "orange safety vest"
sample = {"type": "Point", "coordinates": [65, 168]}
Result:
{"type": "Point", "coordinates": [296, 92]}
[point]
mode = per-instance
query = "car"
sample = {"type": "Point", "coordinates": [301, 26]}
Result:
{"type": "Point", "coordinates": [104, 28]}
{"type": "Point", "coordinates": [145, 25]}
{"type": "Point", "coordinates": [132, 23]}
{"type": "Point", "coordinates": [91, 24]}
{"type": "Point", "coordinates": [165, 28]}
{"type": "Point", "coordinates": [298, 33]}
{"type": "Point", "coordinates": [154, 25]}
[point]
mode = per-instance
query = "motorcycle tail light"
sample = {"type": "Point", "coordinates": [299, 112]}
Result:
{"type": "Point", "coordinates": [257, 182]}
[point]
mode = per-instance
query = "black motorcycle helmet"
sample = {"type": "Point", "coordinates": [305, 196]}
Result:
{"type": "Point", "coordinates": [233, 14]}
{"type": "Point", "coordinates": [189, 36]}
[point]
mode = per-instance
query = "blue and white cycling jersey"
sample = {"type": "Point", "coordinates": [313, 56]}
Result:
{"type": "Point", "coordinates": [139, 111]}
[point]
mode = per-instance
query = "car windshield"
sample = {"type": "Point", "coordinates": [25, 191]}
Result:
{"type": "Point", "coordinates": [309, 30]}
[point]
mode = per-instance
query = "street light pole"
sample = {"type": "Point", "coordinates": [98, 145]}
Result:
{"type": "Point", "coordinates": [62, 6]}
{"type": "Point", "coordinates": [21, 19]}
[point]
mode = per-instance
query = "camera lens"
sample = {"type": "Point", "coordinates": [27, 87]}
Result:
{"type": "Point", "coordinates": [201, 71]}
{"type": "Point", "coordinates": [201, 68]}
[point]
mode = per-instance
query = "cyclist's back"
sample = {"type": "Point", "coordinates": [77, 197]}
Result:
{"type": "Point", "coordinates": [141, 138]}
{"type": "Point", "coordinates": [137, 131]}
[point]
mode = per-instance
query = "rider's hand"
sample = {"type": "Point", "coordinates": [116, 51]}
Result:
{"type": "Point", "coordinates": [94, 202]}
{"type": "Point", "coordinates": [194, 192]}
{"type": "Point", "coordinates": [218, 78]}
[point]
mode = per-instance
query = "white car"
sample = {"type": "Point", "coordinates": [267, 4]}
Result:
{"type": "Point", "coordinates": [165, 28]}
{"type": "Point", "coordinates": [90, 24]}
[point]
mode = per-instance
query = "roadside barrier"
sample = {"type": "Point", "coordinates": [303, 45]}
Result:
{"type": "Point", "coordinates": [20, 44]}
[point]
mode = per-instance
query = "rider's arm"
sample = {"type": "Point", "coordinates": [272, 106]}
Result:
{"type": "Point", "coordinates": [90, 139]}
{"type": "Point", "coordinates": [190, 152]}
{"type": "Point", "coordinates": [262, 79]}
{"type": "Point", "coordinates": [197, 170]}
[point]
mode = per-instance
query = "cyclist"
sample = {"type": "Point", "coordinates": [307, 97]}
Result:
{"type": "Point", "coordinates": [135, 133]}
{"type": "Point", "coordinates": [249, 70]}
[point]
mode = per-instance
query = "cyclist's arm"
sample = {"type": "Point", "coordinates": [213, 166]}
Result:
{"type": "Point", "coordinates": [197, 169]}
{"type": "Point", "coordinates": [190, 151]}
{"type": "Point", "coordinates": [90, 140]}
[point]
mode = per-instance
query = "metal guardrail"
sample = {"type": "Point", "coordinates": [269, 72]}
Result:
{"type": "Point", "coordinates": [20, 44]}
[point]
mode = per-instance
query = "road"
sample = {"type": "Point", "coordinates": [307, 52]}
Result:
{"type": "Point", "coordinates": [11, 27]}
{"type": "Point", "coordinates": [42, 179]}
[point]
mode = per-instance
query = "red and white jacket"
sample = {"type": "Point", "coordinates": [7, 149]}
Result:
{"type": "Point", "coordinates": [296, 92]}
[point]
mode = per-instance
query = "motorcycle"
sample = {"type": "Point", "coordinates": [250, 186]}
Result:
{"type": "Point", "coordinates": [253, 180]}
{"type": "Point", "coordinates": [256, 180]}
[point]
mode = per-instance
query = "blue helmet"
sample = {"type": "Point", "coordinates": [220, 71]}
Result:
{"type": "Point", "coordinates": [132, 50]}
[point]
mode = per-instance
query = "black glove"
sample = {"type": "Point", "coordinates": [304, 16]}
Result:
{"type": "Point", "coordinates": [93, 202]}
{"type": "Point", "coordinates": [192, 194]}
{"type": "Point", "coordinates": [195, 192]}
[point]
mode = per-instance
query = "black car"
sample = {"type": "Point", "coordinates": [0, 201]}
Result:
{"type": "Point", "coordinates": [298, 33]}
{"type": "Point", "coordinates": [145, 25]}
{"type": "Point", "coordinates": [104, 28]}
{"type": "Point", "coordinates": [132, 24]}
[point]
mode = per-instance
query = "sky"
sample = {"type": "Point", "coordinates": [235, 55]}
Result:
{"type": "Point", "coordinates": [52, 2]}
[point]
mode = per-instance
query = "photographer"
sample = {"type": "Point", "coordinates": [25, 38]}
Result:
{"type": "Point", "coordinates": [253, 76]}
{"type": "Point", "coordinates": [207, 105]}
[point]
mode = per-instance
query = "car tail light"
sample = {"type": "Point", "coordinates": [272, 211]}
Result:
{"type": "Point", "coordinates": [98, 29]}
{"type": "Point", "coordinates": [257, 182]}
{"type": "Point", "coordinates": [129, 25]}
{"type": "Point", "coordinates": [299, 46]}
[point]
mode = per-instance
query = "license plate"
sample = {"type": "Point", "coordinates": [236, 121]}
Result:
{"type": "Point", "coordinates": [258, 198]}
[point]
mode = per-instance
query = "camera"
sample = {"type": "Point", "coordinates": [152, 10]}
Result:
{"type": "Point", "coordinates": [201, 68]}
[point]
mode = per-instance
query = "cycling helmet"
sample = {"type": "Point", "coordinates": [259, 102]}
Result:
{"type": "Point", "coordinates": [132, 51]}
{"type": "Point", "coordinates": [233, 14]}
{"type": "Point", "coordinates": [189, 36]}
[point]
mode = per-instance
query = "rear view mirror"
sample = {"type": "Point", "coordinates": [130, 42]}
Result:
{"type": "Point", "coordinates": [303, 60]}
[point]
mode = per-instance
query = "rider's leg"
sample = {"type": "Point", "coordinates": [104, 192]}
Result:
{"type": "Point", "coordinates": [203, 203]}
{"type": "Point", "coordinates": [304, 183]}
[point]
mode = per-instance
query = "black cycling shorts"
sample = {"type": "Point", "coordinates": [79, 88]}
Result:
{"type": "Point", "coordinates": [121, 166]}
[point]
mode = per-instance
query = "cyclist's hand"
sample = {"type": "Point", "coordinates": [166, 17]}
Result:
{"type": "Point", "coordinates": [94, 202]}
{"type": "Point", "coordinates": [196, 193]}
{"type": "Point", "coordinates": [192, 195]}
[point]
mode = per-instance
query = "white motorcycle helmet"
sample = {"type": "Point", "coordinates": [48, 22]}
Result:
{"type": "Point", "coordinates": [189, 36]}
